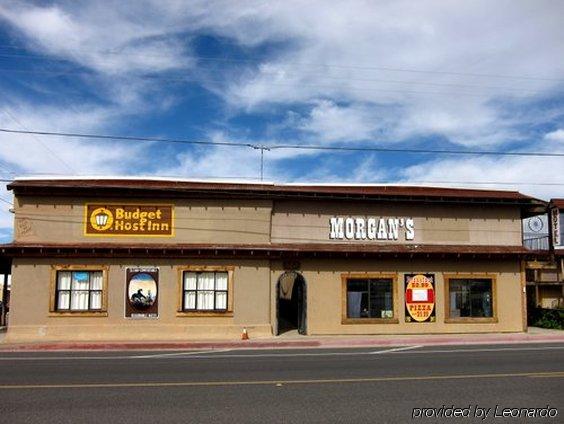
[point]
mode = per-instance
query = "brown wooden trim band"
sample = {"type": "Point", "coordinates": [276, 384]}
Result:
{"type": "Point", "coordinates": [268, 251]}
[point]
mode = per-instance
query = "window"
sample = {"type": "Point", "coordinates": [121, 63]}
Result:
{"type": "Point", "coordinates": [369, 299]}
{"type": "Point", "coordinates": [470, 299]}
{"type": "Point", "coordinates": [206, 291]}
{"type": "Point", "coordinates": [78, 290]}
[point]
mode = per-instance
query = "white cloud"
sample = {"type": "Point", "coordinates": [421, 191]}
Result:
{"type": "Point", "coordinates": [329, 122]}
{"type": "Point", "coordinates": [103, 36]}
{"type": "Point", "coordinates": [25, 153]}
{"type": "Point", "coordinates": [355, 52]}
{"type": "Point", "coordinates": [362, 54]}
{"type": "Point", "coordinates": [507, 173]}
{"type": "Point", "coordinates": [557, 135]}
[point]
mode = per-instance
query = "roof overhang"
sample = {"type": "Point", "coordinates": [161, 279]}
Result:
{"type": "Point", "coordinates": [266, 251]}
{"type": "Point", "coordinates": [161, 188]}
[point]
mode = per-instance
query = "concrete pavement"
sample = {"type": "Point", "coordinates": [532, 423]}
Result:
{"type": "Point", "coordinates": [534, 335]}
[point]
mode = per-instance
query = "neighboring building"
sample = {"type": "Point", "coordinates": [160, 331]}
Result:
{"type": "Point", "coordinates": [545, 278]}
{"type": "Point", "coordinates": [553, 291]}
{"type": "Point", "coordinates": [129, 259]}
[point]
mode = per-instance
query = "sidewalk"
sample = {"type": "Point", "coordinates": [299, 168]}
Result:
{"type": "Point", "coordinates": [535, 335]}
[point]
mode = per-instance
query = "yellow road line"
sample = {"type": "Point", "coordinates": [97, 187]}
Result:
{"type": "Point", "coordinates": [555, 374]}
{"type": "Point", "coordinates": [550, 375]}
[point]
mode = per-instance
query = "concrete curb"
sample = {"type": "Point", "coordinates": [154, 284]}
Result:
{"type": "Point", "coordinates": [306, 342]}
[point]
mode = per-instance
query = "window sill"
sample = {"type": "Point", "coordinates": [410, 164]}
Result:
{"type": "Point", "coordinates": [471, 320]}
{"type": "Point", "coordinates": [79, 314]}
{"type": "Point", "coordinates": [348, 321]}
{"type": "Point", "coordinates": [204, 314]}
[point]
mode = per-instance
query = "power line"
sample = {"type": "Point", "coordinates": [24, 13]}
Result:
{"type": "Point", "coordinates": [129, 138]}
{"type": "Point", "coordinates": [38, 140]}
{"type": "Point", "coordinates": [6, 201]}
{"type": "Point", "coordinates": [286, 146]}
{"type": "Point", "coordinates": [8, 170]}
{"type": "Point", "coordinates": [332, 87]}
{"type": "Point", "coordinates": [303, 64]}
{"type": "Point", "coordinates": [63, 72]}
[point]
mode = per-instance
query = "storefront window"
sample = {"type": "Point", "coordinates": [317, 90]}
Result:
{"type": "Point", "coordinates": [370, 298]}
{"type": "Point", "coordinates": [79, 291]}
{"type": "Point", "coordinates": [470, 298]}
{"type": "Point", "coordinates": [205, 291]}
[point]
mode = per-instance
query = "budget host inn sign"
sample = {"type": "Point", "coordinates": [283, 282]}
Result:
{"type": "Point", "coordinates": [128, 220]}
{"type": "Point", "coordinates": [350, 228]}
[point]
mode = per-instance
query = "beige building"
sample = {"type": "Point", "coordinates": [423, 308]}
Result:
{"type": "Point", "coordinates": [127, 259]}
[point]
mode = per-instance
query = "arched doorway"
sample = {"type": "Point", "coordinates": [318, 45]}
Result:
{"type": "Point", "coordinates": [291, 303]}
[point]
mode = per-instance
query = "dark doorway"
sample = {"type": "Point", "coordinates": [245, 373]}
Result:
{"type": "Point", "coordinates": [291, 303]}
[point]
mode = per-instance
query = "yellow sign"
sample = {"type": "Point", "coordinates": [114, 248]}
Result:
{"type": "Point", "coordinates": [128, 220]}
{"type": "Point", "coordinates": [420, 298]}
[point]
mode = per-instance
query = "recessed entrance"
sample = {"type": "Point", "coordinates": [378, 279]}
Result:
{"type": "Point", "coordinates": [291, 303]}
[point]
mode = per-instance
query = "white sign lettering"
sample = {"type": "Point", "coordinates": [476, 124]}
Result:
{"type": "Point", "coordinates": [555, 223]}
{"type": "Point", "coordinates": [370, 228]}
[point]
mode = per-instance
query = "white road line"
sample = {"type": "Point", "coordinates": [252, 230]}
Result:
{"type": "Point", "coordinates": [498, 349]}
{"type": "Point", "coordinates": [89, 358]}
{"type": "Point", "coordinates": [396, 349]}
{"type": "Point", "coordinates": [177, 354]}
{"type": "Point", "coordinates": [220, 354]}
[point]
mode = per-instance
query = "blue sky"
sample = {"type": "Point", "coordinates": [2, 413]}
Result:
{"type": "Point", "coordinates": [404, 74]}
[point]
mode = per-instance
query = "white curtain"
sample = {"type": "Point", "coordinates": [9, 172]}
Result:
{"type": "Point", "coordinates": [190, 300]}
{"type": "Point", "coordinates": [79, 294]}
{"type": "Point", "coordinates": [79, 300]}
{"type": "Point", "coordinates": [63, 300]}
{"type": "Point", "coordinates": [205, 300]}
{"type": "Point", "coordinates": [189, 281]}
{"type": "Point", "coordinates": [80, 280]}
{"type": "Point", "coordinates": [96, 280]}
{"type": "Point", "coordinates": [64, 280]}
{"type": "Point", "coordinates": [353, 304]}
{"type": "Point", "coordinates": [95, 300]}
{"type": "Point", "coordinates": [206, 281]}
{"type": "Point", "coordinates": [221, 281]}
{"type": "Point", "coordinates": [221, 300]}
{"type": "Point", "coordinates": [205, 290]}
{"type": "Point", "coordinates": [63, 283]}
{"type": "Point", "coordinates": [454, 307]}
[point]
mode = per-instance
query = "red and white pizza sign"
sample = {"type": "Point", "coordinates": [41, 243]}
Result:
{"type": "Point", "coordinates": [420, 297]}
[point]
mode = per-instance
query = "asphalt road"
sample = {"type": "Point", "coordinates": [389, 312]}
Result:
{"type": "Point", "coordinates": [283, 386]}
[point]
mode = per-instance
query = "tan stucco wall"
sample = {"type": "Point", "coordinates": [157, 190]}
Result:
{"type": "Point", "coordinates": [254, 300]}
{"type": "Point", "coordinates": [255, 221]}
{"type": "Point", "coordinates": [306, 222]}
{"type": "Point", "coordinates": [324, 295]}
{"type": "Point", "coordinates": [61, 220]}
{"type": "Point", "coordinates": [30, 320]}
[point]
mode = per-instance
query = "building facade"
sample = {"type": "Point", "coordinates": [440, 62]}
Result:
{"type": "Point", "coordinates": [126, 259]}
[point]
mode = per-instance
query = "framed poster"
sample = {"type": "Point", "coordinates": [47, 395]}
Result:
{"type": "Point", "coordinates": [419, 297]}
{"type": "Point", "coordinates": [142, 293]}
